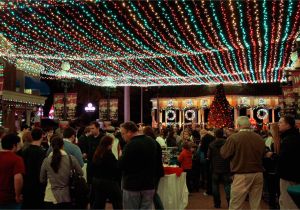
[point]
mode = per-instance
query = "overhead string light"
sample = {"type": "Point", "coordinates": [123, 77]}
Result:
{"type": "Point", "coordinates": [196, 57]}
{"type": "Point", "coordinates": [285, 43]}
{"type": "Point", "coordinates": [193, 43]}
{"type": "Point", "coordinates": [271, 42]}
{"type": "Point", "coordinates": [210, 42]}
{"type": "Point", "coordinates": [149, 43]}
{"type": "Point", "coordinates": [251, 20]}
{"type": "Point", "coordinates": [221, 45]}
{"type": "Point", "coordinates": [161, 40]}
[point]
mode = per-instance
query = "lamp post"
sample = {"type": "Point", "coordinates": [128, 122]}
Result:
{"type": "Point", "coordinates": [110, 90]}
{"type": "Point", "coordinates": [157, 101]}
{"type": "Point", "coordinates": [142, 103]}
{"type": "Point", "coordinates": [65, 111]}
{"type": "Point", "coordinates": [108, 104]}
{"type": "Point", "coordinates": [66, 83]}
{"type": "Point", "coordinates": [109, 83]}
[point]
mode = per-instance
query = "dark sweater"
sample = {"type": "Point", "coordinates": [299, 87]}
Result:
{"type": "Point", "coordinates": [219, 164]}
{"type": "Point", "coordinates": [289, 156]}
{"type": "Point", "coordinates": [33, 158]}
{"type": "Point", "coordinates": [91, 144]}
{"type": "Point", "coordinates": [196, 136]}
{"type": "Point", "coordinates": [106, 167]}
{"type": "Point", "coordinates": [138, 164]}
{"type": "Point", "coordinates": [245, 150]}
{"type": "Point", "coordinates": [205, 141]}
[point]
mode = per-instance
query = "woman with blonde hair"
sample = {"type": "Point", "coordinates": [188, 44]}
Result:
{"type": "Point", "coordinates": [26, 139]}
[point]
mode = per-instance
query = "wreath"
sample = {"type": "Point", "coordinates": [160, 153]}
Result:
{"type": "Point", "coordinates": [190, 115]}
{"type": "Point", "coordinates": [172, 113]}
{"type": "Point", "coordinates": [262, 114]}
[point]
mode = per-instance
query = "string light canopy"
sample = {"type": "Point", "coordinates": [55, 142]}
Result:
{"type": "Point", "coordinates": [153, 43]}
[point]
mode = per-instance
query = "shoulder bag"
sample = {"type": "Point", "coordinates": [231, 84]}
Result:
{"type": "Point", "coordinates": [79, 189]}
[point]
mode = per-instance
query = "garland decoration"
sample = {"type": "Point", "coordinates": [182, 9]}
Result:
{"type": "Point", "coordinates": [171, 115]}
{"type": "Point", "coordinates": [190, 114]}
{"type": "Point", "coordinates": [262, 114]}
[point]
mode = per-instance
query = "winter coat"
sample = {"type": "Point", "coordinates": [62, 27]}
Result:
{"type": "Point", "coordinates": [219, 164]}
{"type": "Point", "coordinates": [289, 155]}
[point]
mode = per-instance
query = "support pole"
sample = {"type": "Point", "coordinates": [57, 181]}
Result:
{"type": "Point", "coordinates": [65, 112]}
{"type": "Point", "coordinates": [142, 104]}
{"type": "Point", "coordinates": [126, 103]}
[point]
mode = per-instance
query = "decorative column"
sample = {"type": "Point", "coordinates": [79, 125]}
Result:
{"type": "Point", "coordinates": [183, 118]}
{"type": "Point", "coordinates": [10, 118]}
{"type": "Point", "coordinates": [202, 117]}
{"type": "Point", "coordinates": [166, 117]}
{"type": "Point", "coordinates": [160, 117]}
{"type": "Point", "coordinates": [199, 116]}
{"type": "Point", "coordinates": [28, 116]}
{"type": "Point", "coordinates": [126, 103]}
{"type": "Point", "coordinates": [153, 118]}
{"type": "Point", "coordinates": [65, 111]}
{"type": "Point", "coordinates": [236, 115]}
{"type": "Point", "coordinates": [251, 112]}
{"type": "Point", "coordinates": [180, 118]}
{"type": "Point", "coordinates": [142, 104]}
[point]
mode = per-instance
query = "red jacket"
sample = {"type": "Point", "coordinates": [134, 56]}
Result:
{"type": "Point", "coordinates": [185, 159]}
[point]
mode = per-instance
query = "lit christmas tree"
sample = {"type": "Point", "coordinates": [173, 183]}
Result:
{"type": "Point", "coordinates": [220, 114]}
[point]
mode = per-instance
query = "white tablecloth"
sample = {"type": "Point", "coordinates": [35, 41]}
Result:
{"type": "Point", "coordinates": [173, 191]}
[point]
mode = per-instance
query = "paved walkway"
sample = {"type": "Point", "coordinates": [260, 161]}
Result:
{"type": "Point", "coordinates": [200, 201]}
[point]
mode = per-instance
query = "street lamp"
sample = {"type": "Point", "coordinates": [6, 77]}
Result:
{"type": "Point", "coordinates": [66, 83]}
{"type": "Point", "coordinates": [90, 108]}
{"type": "Point", "coordinates": [108, 83]}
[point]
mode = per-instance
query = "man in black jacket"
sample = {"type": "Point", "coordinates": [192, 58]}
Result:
{"type": "Point", "coordinates": [33, 156]}
{"type": "Point", "coordinates": [289, 153]}
{"type": "Point", "coordinates": [92, 142]}
{"type": "Point", "coordinates": [220, 168]}
{"type": "Point", "coordinates": [206, 139]}
{"type": "Point", "coordinates": [139, 166]}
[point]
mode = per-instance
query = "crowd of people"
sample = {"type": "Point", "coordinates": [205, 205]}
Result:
{"type": "Point", "coordinates": [123, 165]}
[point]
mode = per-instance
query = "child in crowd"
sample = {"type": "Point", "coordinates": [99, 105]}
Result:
{"type": "Point", "coordinates": [185, 160]}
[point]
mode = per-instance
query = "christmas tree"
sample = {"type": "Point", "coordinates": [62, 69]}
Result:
{"type": "Point", "coordinates": [220, 114]}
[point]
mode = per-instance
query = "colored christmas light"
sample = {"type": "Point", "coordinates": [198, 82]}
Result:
{"type": "Point", "coordinates": [220, 114]}
{"type": "Point", "coordinates": [151, 43]}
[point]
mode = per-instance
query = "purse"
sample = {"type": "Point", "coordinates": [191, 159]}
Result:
{"type": "Point", "coordinates": [79, 189]}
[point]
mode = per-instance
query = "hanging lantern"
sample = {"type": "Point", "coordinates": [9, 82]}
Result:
{"type": "Point", "coordinates": [65, 66]}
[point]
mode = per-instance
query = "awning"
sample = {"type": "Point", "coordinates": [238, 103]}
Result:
{"type": "Point", "coordinates": [31, 83]}
{"type": "Point", "coordinates": [22, 98]}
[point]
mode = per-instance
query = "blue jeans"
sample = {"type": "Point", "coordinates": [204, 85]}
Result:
{"type": "Point", "coordinates": [138, 199]}
{"type": "Point", "coordinates": [10, 206]}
